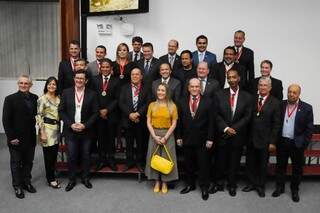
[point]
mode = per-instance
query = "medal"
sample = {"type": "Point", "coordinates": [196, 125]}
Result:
{"type": "Point", "coordinates": [121, 76]}
{"type": "Point", "coordinates": [258, 114]}
{"type": "Point", "coordinates": [192, 114]}
{"type": "Point", "coordinates": [103, 93]}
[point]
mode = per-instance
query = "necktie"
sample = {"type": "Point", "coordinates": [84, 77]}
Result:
{"type": "Point", "coordinates": [200, 57]}
{"type": "Point", "coordinates": [260, 101]}
{"type": "Point", "coordinates": [202, 85]}
{"type": "Point", "coordinates": [171, 61]}
{"type": "Point", "coordinates": [194, 105]}
{"type": "Point", "coordinates": [232, 100]}
{"type": "Point", "coordinates": [135, 57]}
{"type": "Point", "coordinates": [105, 83]}
{"type": "Point", "coordinates": [165, 81]}
{"type": "Point", "coordinates": [147, 67]}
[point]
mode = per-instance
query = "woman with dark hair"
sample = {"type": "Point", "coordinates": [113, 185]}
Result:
{"type": "Point", "coordinates": [49, 128]}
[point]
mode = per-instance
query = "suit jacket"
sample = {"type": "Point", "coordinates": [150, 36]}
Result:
{"type": "Point", "coordinates": [209, 57]}
{"type": "Point", "coordinates": [131, 56]}
{"type": "Point", "coordinates": [65, 75]}
{"type": "Point", "coordinates": [177, 61]}
{"type": "Point", "coordinates": [195, 131]}
{"type": "Point", "coordinates": [127, 72]}
{"type": "Point", "coordinates": [184, 75]}
{"type": "Point", "coordinates": [239, 121]}
{"type": "Point", "coordinates": [93, 68]}
{"type": "Point", "coordinates": [218, 72]}
{"type": "Point", "coordinates": [89, 111]}
{"type": "Point", "coordinates": [126, 105]}
{"type": "Point", "coordinates": [174, 86]}
{"type": "Point", "coordinates": [110, 101]}
{"type": "Point", "coordinates": [153, 73]}
{"type": "Point", "coordinates": [276, 90]}
{"type": "Point", "coordinates": [247, 60]}
{"type": "Point", "coordinates": [265, 128]}
{"type": "Point", "coordinates": [212, 86]}
{"type": "Point", "coordinates": [19, 119]}
{"type": "Point", "coordinates": [303, 123]}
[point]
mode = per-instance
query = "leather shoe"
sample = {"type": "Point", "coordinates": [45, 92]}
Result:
{"type": "Point", "coordinates": [295, 196]}
{"type": "Point", "coordinates": [215, 188]}
{"type": "Point", "coordinates": [232, 191]}
{"type": "Point", "coordinates": [278, 192]}
{"type": "Point", "coordinates": [248, 188]}
{"type": "Point", "coordinates": [70, 186]}
{"type": "Point", "coordinates": [86, 183]}
{"type": "Point", "coordinates": [19, 192]}
{"type": "Point", "coordinates": [204, 194]}
{"type": "Point", "coordinates": [187, 189]}
{"type": "Point", "coordinates": [261, 192]}
{"type": "Point", "coordinates": [29, 188]}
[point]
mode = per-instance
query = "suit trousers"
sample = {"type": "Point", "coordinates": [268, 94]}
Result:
{"type": "Point", "coordinates": [78, 144]}
{"type": "Point", "coordinates": [197, 157]}
{"type": "Point", "coordinates": [286, 149]}
{"type": "Point", "coordinates": [106, 139]}
{"type": "Point", "coordinates": [50, 159]}
{"type": "Point", "coordinates": [21, 162]}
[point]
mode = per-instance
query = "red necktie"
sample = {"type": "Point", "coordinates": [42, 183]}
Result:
{"type": "Point", "coordinates": [194, 105]}
{"type": "Point", "coordinates": [232, 100]}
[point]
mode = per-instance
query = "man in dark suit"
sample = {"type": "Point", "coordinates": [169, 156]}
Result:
{"type": "Point", "coordinates": [136, 54]}
{"type": "Point", "coordinates": [233, 116]}
{"type": "Point", "coordinates": [79, 111]}
{"type": "Point", "coordinates": [195, 133]}
{"type": "Point", "coordinates": [133, 104]}
{"type": "Point", "coordinates": [245, 56]}
{"type": "Point", "coordinates": [149, 65]}
{"type": "Point", "coordinates": [18, 118]}
{"type": "Point", "coordinates": [219, 70]}
{"type": "Point", "coordinates": [172, 57]}
{"type": "Point", "coordinates": [297, 128]}
{"type": "Point", "coordinates": [94, 66]}
{"type": "Point", "coordinates": [66, 67]}
{"type": "Point", "coordinates": [174, 84]}
{"type": "Point", "coordinates": [107, 88]}
{"type": "Point", "coordinates": [202, 54]}
{"type": "Point", "coordinates": [277, 89]}
{"type": "Point", "coordinates": [264, 132]}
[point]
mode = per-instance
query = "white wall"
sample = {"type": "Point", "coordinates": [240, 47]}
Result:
{"type": "Point", "coordinates": [286, 32]}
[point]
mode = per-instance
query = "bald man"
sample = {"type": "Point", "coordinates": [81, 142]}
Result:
{"type": "Point", "coordinates": [172, 57]}
{"type": "Point", "coordinates": [297, 128]}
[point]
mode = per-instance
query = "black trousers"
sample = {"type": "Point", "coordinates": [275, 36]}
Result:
{"type": "Point", "coordinates": [106, 139]}
{"type": "Point", "coordinates": [50, 159]}
{"type": "Point", "coordinates": [197, 157]}
{"type": "Point", "coordinates": [227, 163]}
{"type": "Point", "coordinates": [78, 146]}
{"type": "Point", "coordinates": [21, 162]}
{"type": "Point", "coordinates": [287, 149]}
{"type": "Point", "coordinates": [257, 165]}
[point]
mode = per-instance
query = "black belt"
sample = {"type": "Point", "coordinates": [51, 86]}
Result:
{"type": "Point", "coordinates": [287, 139]}
{"type": "Point", "coordinates": [50, 121]}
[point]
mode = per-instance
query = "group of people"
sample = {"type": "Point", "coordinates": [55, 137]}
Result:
{"type": "Point", "coordinates": [210, 111]}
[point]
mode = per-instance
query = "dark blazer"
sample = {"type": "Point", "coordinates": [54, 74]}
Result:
{"type": "Point", "coordinates": [89, 111]}
{"type": "Point", "coordinates": [177, 61]}
{"type": "Point", "coordinates": [19, 120]}
{"type": "Point", "coordinates": [127, 72]}
{"type": "Point", "coordinates": [276, 90]}
{"type": "Point", "coordinates": [209, 57]}
{"type": "Point", "coordinates": [153, 73]}
{"type": "Point", "coordinates": [303, 124]}
{"type": "Point", "coordinates": [110, 101]}
{"type": "Point", "coordinates": [184, 75]}
{"type": "Point", "coordinates": [265, 128]}
{"type": "Point", "coordinates": [218, 72]}
{"type": "Point", "coordinates": [126, 105]}
{"type": "Point", "coordinates": [131, 56]}
{"type": "Point", "coordinates": [195, 131]}
{"type": "Point", "coordinates": [247, 60]}
{"type": "Point", "coordinates": [240, 120]}
{"type": "Point", "coordinates": [174, 86]}
{"type": "Point", "coordinates": [212, 86]}
{"type": "Point", "coordinates": [65, 75]}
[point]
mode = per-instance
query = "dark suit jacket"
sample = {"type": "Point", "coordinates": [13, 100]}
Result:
{"type": "Point", "coordinates": [131, 56]}
{"type": "Point", "coordinates": [174, 86]}
{"type": "Point", "coordinates": [265, 128]}
{"type": "Point", "coordinates": [177, 61]}
{"type": "Point", "coordinates": [276, 91]}
{"type": "Point", "coordinates": [247, 60]}
{"type": "Point", "coordinates": [240, 120]}
{"type": "Point", "coordinates": [218, 72]}
{"type": "Point", "coordinates": [184, 75]}
{"type": "Point", "coordinates": [127, 72]}
{"type": "Point", "coordinates": [65, 75]}
{"type": "Point", "coordinates": [89, 111]}
{"type": "Point", "coordinates": [19, 120]}
{"type": "Point", "coordinates": [212, 86]}
{"type": "Point", "coordinates": [303, 124]}
{"type": "Point", "coordinates": [153, 73]}
{"type": "Point", "coordinates": [110, 101]}
{"type": "Point", "coordinates": [126, 105]}
{"type": "Point", "coordinates": [209, 57]}
{"type": "Point", "coordinates": [195, 131]}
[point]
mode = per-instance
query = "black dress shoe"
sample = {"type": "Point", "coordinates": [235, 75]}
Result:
{"type": "Point", "coordinates": [29, 188]}
{"type": "Point", "coordinates": [70, 186]}
{"type": "Point", "coordinates": [19, 192]}
{"type": "Point", "coordinates": [248, 188]}
{"type": "Point", "coordinates": [295, 196]}
{"type": "Point", "coordinates": [204, 194]}
{"type": "Point", "coordinates": [261, 192]}
{"type": "Point", "coordinates": [86, 183]}
{"type": "Point", "coordinates": [232, 191]}
{"type": "Point", "coordinates": [215, 188]}
{"type": "Point", "coordinates": [187, 189]}
{"type": "Point", "coordinates": [100, 166]}
{"type": "Point", "coordinates": [278, 192]}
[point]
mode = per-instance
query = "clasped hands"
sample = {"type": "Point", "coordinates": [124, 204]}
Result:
{"type": "Point", "coordinates": [160, 140]}
{"type": "Point", "coordinates": [78, 127]}
{"type": "Point", "coordinates": [209, 144]}
{"type": "Point", "coordinates": [103, 113]}
{"type": "Point", "coordinates": [134, 117]}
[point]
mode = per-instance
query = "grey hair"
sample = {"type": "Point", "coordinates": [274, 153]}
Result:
{"type": "Point", "coordinates": [267, 79]}
{"type": "Point", "coordinates": [25, 76]}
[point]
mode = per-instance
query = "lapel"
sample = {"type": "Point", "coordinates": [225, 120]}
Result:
{"type": "Point", "coordinates": [23, 104]}
{"type": "Point", "coordinates": [238, 104]}
{"type": "Point", "coordinates": [69, 64]}
{"type": "Point", "coordinates": [298, 114]}
{"type": "Point", "coordinates": [227, 103]}
{"type": "Point", "coordinates": [130, 96]}
{"type": "Point", "coordinates": [100, 82]}
{"type": "Point", "coordinates": [200, 106]}
{"type": "Point", "coordinates": [206, 89]}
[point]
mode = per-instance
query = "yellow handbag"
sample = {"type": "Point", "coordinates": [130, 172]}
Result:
{"type": "Point", "coordinates": [161, 164]}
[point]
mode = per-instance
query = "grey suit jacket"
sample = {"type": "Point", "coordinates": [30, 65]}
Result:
{"type": "Point", "coordinates": [174, 86]}
{"type": "Point", "coordinates": [93, 68]}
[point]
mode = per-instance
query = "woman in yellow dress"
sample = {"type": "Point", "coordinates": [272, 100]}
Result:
{"type": "Point", "coordinates": [162, 120]}
{"type": "Point", "coordinates": [49, 128]}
